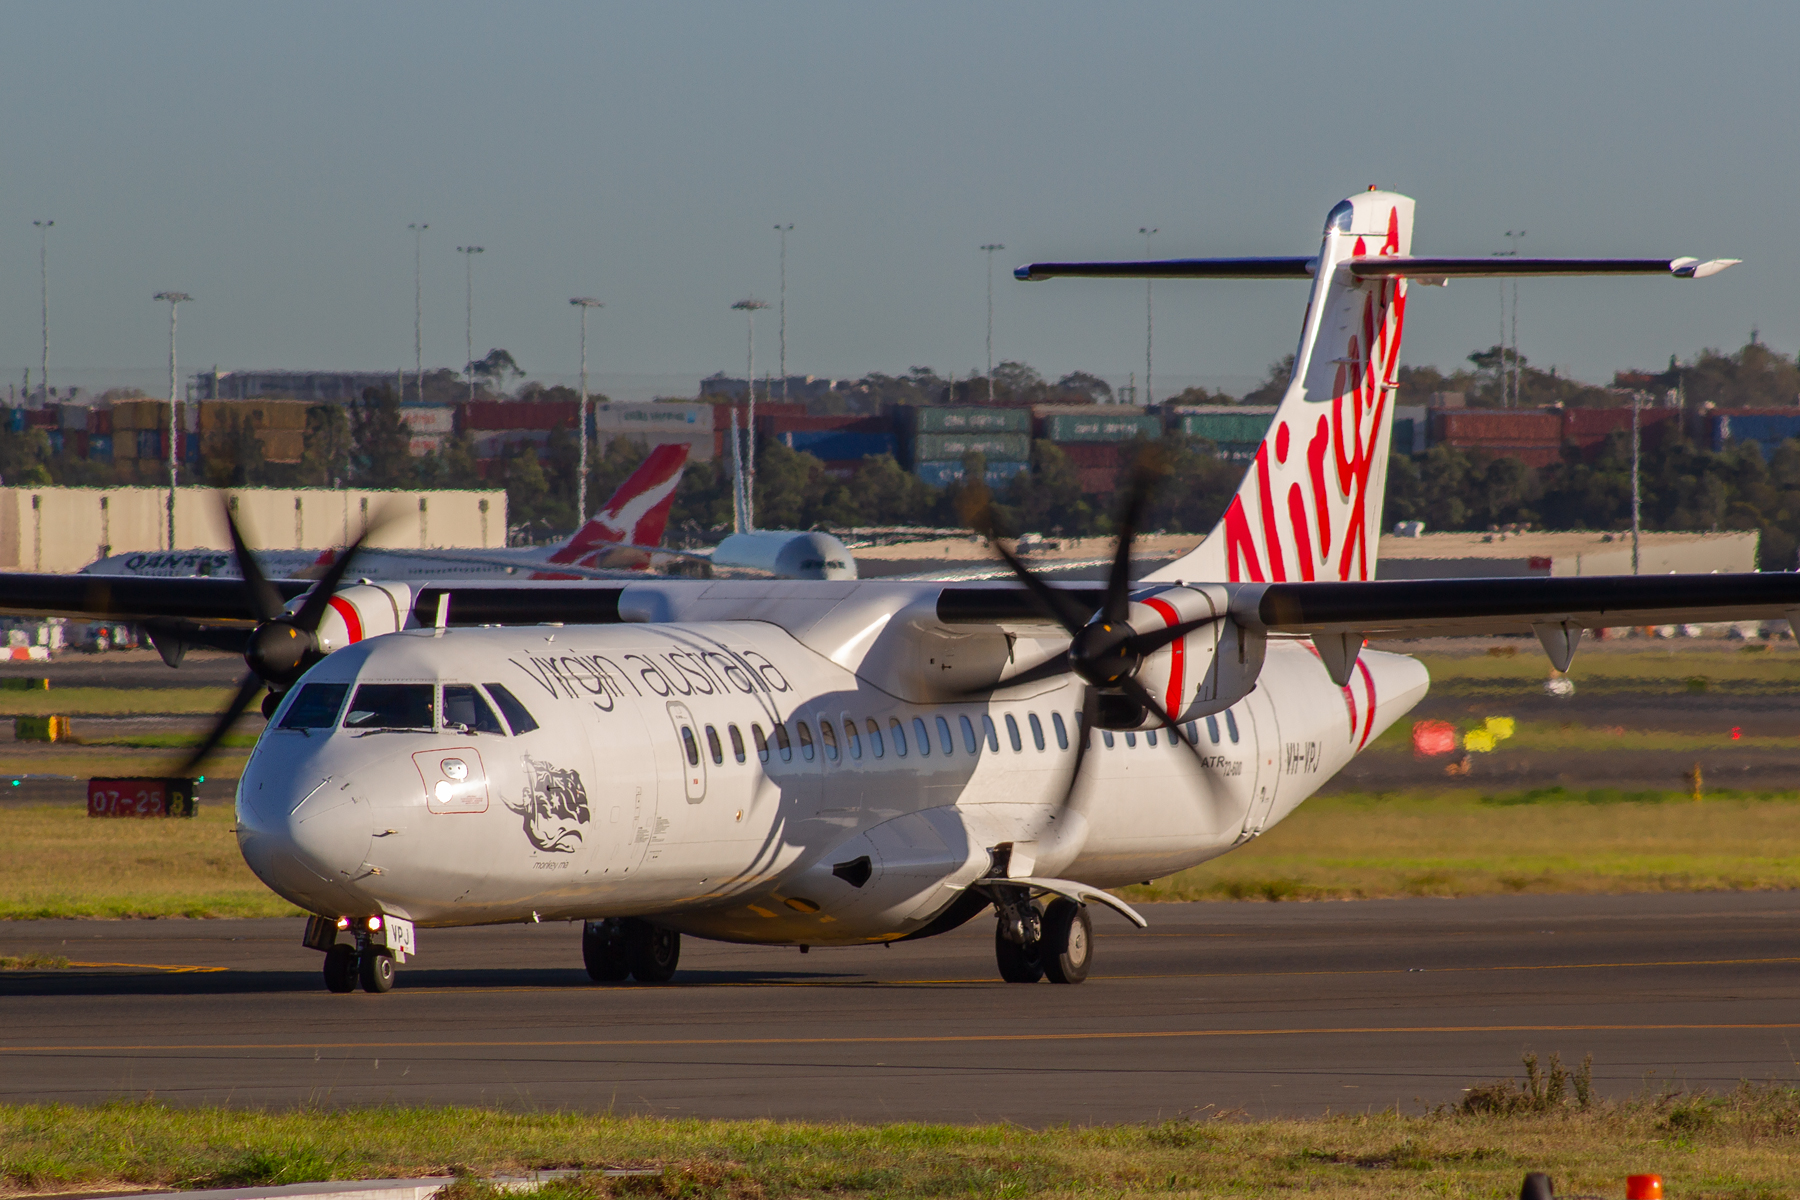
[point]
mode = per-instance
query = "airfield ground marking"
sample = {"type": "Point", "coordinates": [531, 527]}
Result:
{"type": "Point", "coordinates": [926, 1039]}
{"type": "Point", "coordinates": [890, 983]}
{"type": "Point", "coordinates": [171, 968]}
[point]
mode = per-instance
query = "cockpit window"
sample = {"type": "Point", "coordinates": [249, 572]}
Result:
{"type": "Point", "coordinates": [464, 707]}
{"type": "Point", "coordinates": [316, 707]}
{"type": "Point", "coordinates": [515, 713]}
{"type": "Point", "coordinates": [390, 706]}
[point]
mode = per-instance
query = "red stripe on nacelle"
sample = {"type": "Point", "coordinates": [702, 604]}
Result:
{"type": "Point", "coordinates": [352, 620]}
{"type": "Point", "coordinates": [1177, 656]}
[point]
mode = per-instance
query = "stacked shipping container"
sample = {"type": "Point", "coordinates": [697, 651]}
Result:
{"type": "Point", "coordinates": [938, 440]}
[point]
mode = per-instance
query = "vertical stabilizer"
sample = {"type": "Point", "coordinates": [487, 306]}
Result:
{"type": "Point", "coordinates": [636, 514]}
{"type": "Point", "coordinates": [1310, 505]}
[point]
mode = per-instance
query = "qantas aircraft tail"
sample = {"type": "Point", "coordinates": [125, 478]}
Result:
{"type": "Point", "coordinates": [1310, 506]}
{"type": "Point", "coordinates": [636, 514]}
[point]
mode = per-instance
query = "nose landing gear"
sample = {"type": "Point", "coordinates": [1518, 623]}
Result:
{"type": "Point", "coordinates": [370, 961]}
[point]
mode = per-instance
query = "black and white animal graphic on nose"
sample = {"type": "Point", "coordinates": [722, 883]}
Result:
{"type": "Point", "coordinates": [554, 804]}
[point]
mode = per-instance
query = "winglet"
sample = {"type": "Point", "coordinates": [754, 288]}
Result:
{"type": "Point", "coordinates": [1693, 268]}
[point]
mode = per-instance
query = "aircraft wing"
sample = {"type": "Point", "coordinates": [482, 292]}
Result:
{"type": "Point", "coordinates": [1443, 607]}
{"type": "Point", "coordinates": [121, 598]}
{"type": "Point", "coordinates": [1436, 607]}
{"type": "Point", "coordinates": [1389, 266]}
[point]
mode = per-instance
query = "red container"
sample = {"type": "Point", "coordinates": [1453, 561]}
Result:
{"type": "Point", "coordinates": [100, 421]}
{"type": "Point", "coordinates": [1098, 454]}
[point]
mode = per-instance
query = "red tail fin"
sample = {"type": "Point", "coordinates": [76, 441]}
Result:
{"type": "Point", "coordinates": [638, 512]}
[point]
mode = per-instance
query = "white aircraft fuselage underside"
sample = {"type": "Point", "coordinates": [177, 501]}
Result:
{"type": "Point", "coordinates": [598, 812]}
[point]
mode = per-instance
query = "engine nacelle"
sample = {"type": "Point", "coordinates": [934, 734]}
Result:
{"type": "Point", "coordinates": [360, 611]}
{"type": "Point", "coordinates": [1205, 672]}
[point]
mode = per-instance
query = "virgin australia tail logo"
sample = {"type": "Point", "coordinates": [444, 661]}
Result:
{"type": "Point", "coordinates": [554, 805]}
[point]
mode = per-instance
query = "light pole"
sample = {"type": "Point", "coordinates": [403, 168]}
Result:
{"type": "Point", "coordinates": [469, 253]}
{"type": "Point", "coordinates": [175, 299]}
{"type": "Point", "coordinates": [1149, 323]}
{"type": "Point", "coordinates": [581, 513]}
{"type": "Point", "coordinates": [748, 483]}
{"type": "Point", "coordinates": [990, 248]}
{"type": "Point", "coordinates": [1512, 251]}
{"type": "Point", "coordinates": [1636, 401]}
{"type": "Point", "coordinates": [418, 315]}
{"type": "Point", "coordinates": [784, 230]}
{"type": "Point", "coordinates": [43, 228]}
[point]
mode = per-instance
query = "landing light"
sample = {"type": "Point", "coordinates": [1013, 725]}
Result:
{"type": "Point", "coordinates": [343, 922]}
{"type": "Point", "coordinates": [374, 924]}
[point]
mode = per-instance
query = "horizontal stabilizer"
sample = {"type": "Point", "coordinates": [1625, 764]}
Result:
{"type": "Point", "coordinates": [1375, 267]}
{"type": "Point", "coordinates": [1300, 267]}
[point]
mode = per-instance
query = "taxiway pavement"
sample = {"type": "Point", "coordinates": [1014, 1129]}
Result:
{"type": "Point", "coordinates": [1271, 1008]}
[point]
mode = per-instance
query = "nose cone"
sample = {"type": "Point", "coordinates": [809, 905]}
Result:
{"type": "Point", "coordinates": [304, 833]}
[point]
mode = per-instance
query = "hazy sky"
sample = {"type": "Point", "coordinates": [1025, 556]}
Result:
{"type": "Point", "coordinates": [268, 158]}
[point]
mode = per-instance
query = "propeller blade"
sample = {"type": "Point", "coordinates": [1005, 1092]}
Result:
{"type": "Point", "coordinates": [246, 692]}
{"type": "Point", "coordinates": [1084, 729]}
{"type": "Point", "coordinates": [978, 514]}
{"type": "Point", "coordinates": [263, 597]}
{"type": "Point", "coordinates": [312, 609]}
{"type": "Point", "coordinates": [1149, 643]}
{"type": "Point", "coordinates": [1141, 694]}
{"type": "Point", "coordinates": [1050, 668]}
{"type": "Point", "coordinates": [1066, 609]}
{"type": "Point", "coordinates": [1118, 581]}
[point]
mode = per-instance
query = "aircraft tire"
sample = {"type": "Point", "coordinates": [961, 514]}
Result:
{"type": "Point", "coordinates": [1067, 947]}
{"type": "Point", "coordinates": [652, 953]}
{"type": "Point", "coordinates": [376, 970]}
{"type": "Point", "coordinates": [603, 951]}
{"type": "Point", "coordinates": [340, 969]}
{"type": "Point", "coordinates": [1018, 964]}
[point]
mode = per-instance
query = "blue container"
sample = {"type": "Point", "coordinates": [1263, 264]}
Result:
{"type": "Point", "coordinates": [838, 445]}
{"type": "Point", "coordinates": [1767, 430]}
{"type": "Point", "coordinates": [100, 447]}
{"type": "Point", "coordinates": [940, 474]}
{"type": "Point", "coordinates": [15, 420]}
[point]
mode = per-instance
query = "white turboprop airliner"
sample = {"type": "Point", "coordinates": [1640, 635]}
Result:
{"type": "Point", "coordinates": [835, 763]}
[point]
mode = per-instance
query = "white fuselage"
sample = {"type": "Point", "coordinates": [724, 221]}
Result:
{"type": "Point", "coordinates": [599, 813]}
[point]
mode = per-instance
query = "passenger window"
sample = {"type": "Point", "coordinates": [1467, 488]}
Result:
{"type": "Point", "coordinates": [1212, 729]}
{"type": "Point", "coordinates": [875, 738]}
{"type": "Point", "coordinates": [1062, 731]}
{"type": "Point", "coordinates": [1193, 734]}
{"type": "Point", "coordinates": [851, 736]}
{"type": "Point", "coordinates": [987, 733]}
{"type": "Point", "coordinates": [782, 744]}
{"type": "Point", "coordinates": [1037, 730]}
{"type": "Point", "coordinates": [690, 747]}
{"type": "Point", "coordinates": [761, 740]}
{"type": "Point", "coordinates": [944, 736]}
{"type": "Point", "coordinates": [897, 732]}
{"type": "Point", "coordinates": [1231, 726]}
{"type": "Point", "coordinates": [464, 708]}
{"type": "Point", "coordinates": [713, 747]}
{"type": "Point", "coordinates": [316, 706]}
{"type": "Point", "coordinates": [1131, 740]}
{"type": "Point", "coordinates": [737, 743]}
{"type": "Point", "coordinates": [390, 706]}
{"type": "Point", "coordinates": [806, 742]}
{"type": "Point", "coordinates": [1012, 734]}
{"type": "Point", "coordinates": [1149, 737]}
{"type": "Point", "coordinates": [968, 735]}
{"type": "Point", "coordinates": [1107, 737]}
{"type": "Point", "coordinates": [923, 736]}
{"type": "Point", "coordinates": [828, 735]}
{"type": "Point", "coordinates": [511, 709]}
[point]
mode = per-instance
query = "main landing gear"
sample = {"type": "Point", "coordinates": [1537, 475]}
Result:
{"type": "Point", "coordinates": [1031, 943]}
{"type": "Point", "coordinates": [618, 947]}
{"type": "Point", "coordinates": [380, 944]}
